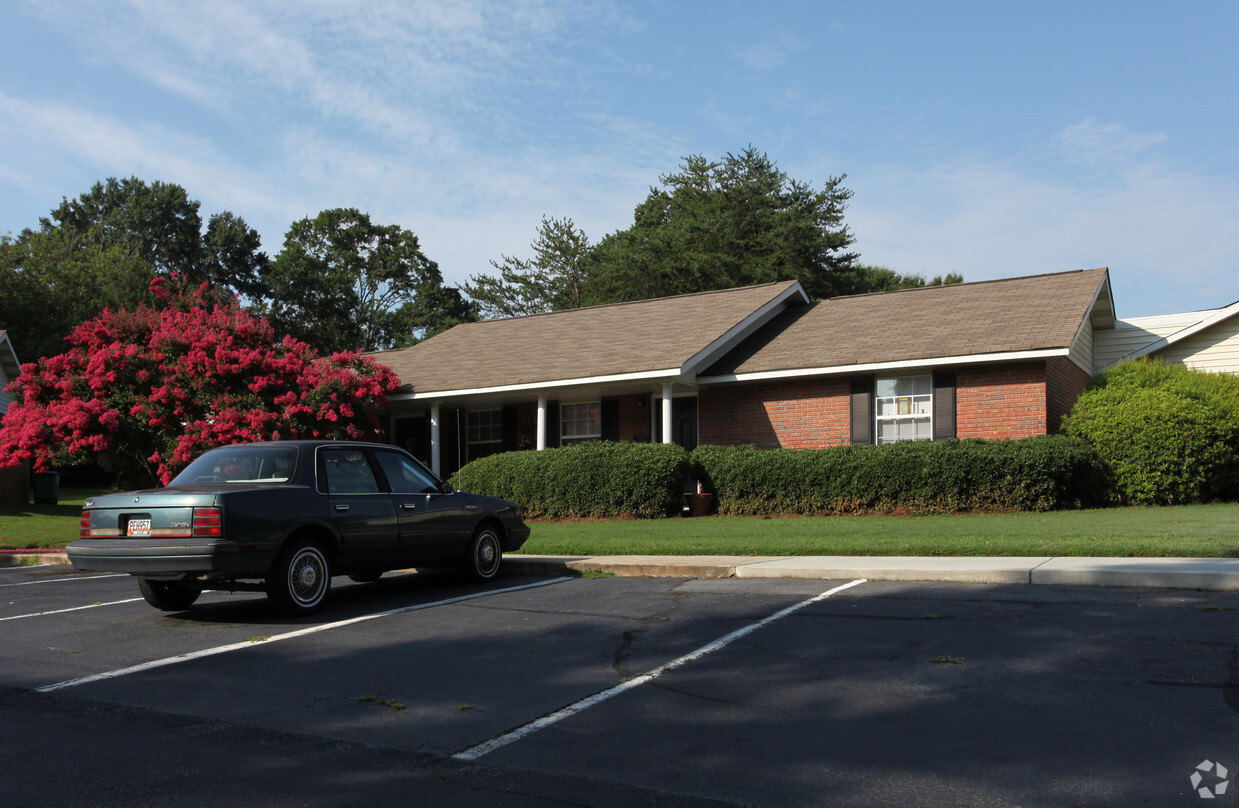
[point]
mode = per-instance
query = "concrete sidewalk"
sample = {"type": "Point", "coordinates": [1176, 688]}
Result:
{"type": "Point", "coordinates": [1218, 574]}
{"type": "Point", "coordinates": [1158, 573]}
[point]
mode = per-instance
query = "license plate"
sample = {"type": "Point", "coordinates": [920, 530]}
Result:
{"type": "Point", "coordinates": [139, 527]}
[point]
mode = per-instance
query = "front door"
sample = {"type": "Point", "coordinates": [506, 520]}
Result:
{"type": "Point", "coordinates": [683, 422]}
{"type": "Point", "coordinates": [362, 513]}
{"type": "Point", "coordinates": [432, 523]}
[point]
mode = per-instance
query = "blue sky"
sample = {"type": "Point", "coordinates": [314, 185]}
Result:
{"type": "Point", "coordinates": [991, 138]}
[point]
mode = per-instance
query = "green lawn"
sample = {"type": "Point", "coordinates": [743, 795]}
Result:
{"type": "Point", "coordinates": [43, 526]}
{"type": "Point", "coordinates": [1189, 530]}
{"type": "Point", "coordinates": [1210, 531]}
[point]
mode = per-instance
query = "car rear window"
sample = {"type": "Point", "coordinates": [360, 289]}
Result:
{"type": "Point", "coordinates": [241, 464]}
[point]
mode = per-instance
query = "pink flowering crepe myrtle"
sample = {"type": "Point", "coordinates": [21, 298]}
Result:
{"type": "Point", "coordinates": [143, 392]}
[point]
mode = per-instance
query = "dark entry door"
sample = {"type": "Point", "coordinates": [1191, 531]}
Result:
{"type": "Point", "coordinates": [684, 422]}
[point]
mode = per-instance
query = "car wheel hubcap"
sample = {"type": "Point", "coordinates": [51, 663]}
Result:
{"type": "Point", "coordinates": [487, 553]}
{"type": "Point", "coordinates": [306, 578]}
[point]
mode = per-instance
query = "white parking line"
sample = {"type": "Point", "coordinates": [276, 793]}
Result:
{"type": "Point", "coordinates": [223, 649]}
{"type": "Point", "coordinates": [71, 609]}
{"type": "Point", "coordinates": [76, 578]}
{"type": "Point", "coordinates": [475, 752]}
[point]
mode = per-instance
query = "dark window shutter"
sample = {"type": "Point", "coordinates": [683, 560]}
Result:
{"type": "Point", "coordinates": [552, 424]}
{"type": "Point", "coordinates": [509, 428]}
{"type": "Point", "coordinates": [862, 412]}
{"type": "Point", "coordinates": [610, 419]}
{"type": "Point", "coordinates": [944, 406]}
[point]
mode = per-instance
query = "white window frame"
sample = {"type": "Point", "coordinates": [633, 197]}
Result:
{"type": "Point", "coordinates": [579, 437]}
{"type": "Point", "coordinates": [914, 409]}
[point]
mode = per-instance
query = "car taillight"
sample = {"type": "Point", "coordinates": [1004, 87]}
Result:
{"type": "Point", "coordinates": [208, 522]}
{"type": "Point", "coordinates": [85, 526]}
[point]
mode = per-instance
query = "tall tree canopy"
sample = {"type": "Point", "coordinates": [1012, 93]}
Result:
{"type": "Point", "coordinates": [160, 225]}
{"type": "Point", "coordinates": [552, 280]}
{"type": "Point", "coordinates": [733, 222]}
{"type": "Point", "coordinates": [50, 282]}
{"type": "Point", "coordinates": [714, 224]}
{"type": "Point", "coordinates": [884, 279]}
{"type": "Point", "coordinates": [343, 282]}
{"type": "Point", "coordinates": [142, 391]}
{"type": "Point", "coordinates": [103, 248]}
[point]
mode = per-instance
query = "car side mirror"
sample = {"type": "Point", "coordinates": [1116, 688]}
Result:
{"type": "Point", "coordinates": [446, 488]}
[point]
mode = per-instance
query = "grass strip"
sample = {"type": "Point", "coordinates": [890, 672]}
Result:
{"type": "Point", "coordinates": [1199, 531]}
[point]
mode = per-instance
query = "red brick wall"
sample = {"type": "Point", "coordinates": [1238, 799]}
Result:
{"type": "Point", "coordinates": [801, 414]}
{"type": "Point", "coordinates": [1065, 381]}
{"type": "Point", "coordinates": [634, 418]}
{"type": "Point", "coordinates": [1002, 401]}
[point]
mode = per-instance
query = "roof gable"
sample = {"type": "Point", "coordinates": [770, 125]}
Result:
{"type": "Point", "coordinates": [661, 337]}
{"type": "Point", "coordinates": [1016, 315]}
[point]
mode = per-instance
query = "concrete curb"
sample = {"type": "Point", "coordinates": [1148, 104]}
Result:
{"type": "Point", "coordinates": [18, 559]}
{"type": "Point", "coordinates": [1210, 574]}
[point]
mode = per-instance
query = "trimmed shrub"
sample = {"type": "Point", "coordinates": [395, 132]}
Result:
{"type": "Point", "coordinates": [1169, 434]}
{"type": "Point", "coordinates": [922, 477]}
{"type": "Point", "coordinates": [588, 480]}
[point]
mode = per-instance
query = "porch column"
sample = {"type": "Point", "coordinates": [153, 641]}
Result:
{"type": "Point", "coordinates": [666, 413]}
{"type": "Point", "coordinates": [541, 421]}
{"type": "Point", "coordinates": [435, 441]}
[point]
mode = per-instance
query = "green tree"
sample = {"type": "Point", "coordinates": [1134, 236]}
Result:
{"type": "Point", "coordinates": [344, 283]}
{"type": "Point", "coordinates": [51, 282]}
{"type": "Point", "coordinates": [103, 248]}
{"type": "Point", "coordinates": [156, 223]}
{"type": "Point", "coordinates": [733, 222]}
{"type": "Point", "coordinates": [552, 280]}
{"type": "Point", "coordinates": [884, 279]}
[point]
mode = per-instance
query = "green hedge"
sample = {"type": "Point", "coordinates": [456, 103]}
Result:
{"type": "Point", "coordinates": [595, 479]}
{"type": "Point", "coordinates": [1169, 435]}
{"type": "Point", "coordinates": [1036, 474]}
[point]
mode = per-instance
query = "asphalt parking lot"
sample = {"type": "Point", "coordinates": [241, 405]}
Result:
{"type": "Point", "coordinates": [539, 691]}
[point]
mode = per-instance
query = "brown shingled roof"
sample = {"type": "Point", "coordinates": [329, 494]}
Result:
{"type": "Point", "coordinates": [1016, 314]}
{"type": "Point", "coordinates": [622, 338]}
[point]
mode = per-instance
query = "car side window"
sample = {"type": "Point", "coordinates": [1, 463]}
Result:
{"type": "Point", "coordinates": [404, 476]}
{"type": "Point", "coordinates": [348, 472]}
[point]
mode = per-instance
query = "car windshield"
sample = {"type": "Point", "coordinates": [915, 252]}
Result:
{"type": "Point", "coordinates": [241, 464]}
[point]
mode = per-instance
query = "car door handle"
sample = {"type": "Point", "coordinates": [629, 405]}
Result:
{"type": "Point", "coordinates": [409, 506]}
{"type": "Point", "coordinates": [341, 507]}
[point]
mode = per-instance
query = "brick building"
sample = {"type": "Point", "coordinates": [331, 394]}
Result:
{"type": "Point", "coordinates": [760, 365]}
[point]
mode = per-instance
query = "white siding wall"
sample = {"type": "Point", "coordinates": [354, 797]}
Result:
{"type": "Point", "coordinates": [1127, 336]}
{"type": "Point", "coordinates": [1215, 349]}
{"type": "Point", "coordinates": [1083, 348]}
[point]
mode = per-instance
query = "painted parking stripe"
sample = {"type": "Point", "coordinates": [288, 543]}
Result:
{"type": "Point", "coordinates": [475, 752]}
{"type": "Point", "coordinates": [71, 609]}
{"type": "Point", "coordinates": [223, 649]}
{"type": "Point", "coordinates": [74, 578]}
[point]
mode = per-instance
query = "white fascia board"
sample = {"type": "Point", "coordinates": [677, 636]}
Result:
{"type": "Point", "coordinates": [1104, 286]}
{"type": "Point", "coordinates": [870, 367]}
{"type": "Point", "coordinates": [1218, 316]}
{"type": "Point", "coordinates": [671, 375]}
{"type": "Point", "coordinates": [741, 330]}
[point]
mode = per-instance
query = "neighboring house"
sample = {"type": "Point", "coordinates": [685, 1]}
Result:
{"type": "Point", "coordinates": [759, 365]}
{"type": "Point", "coordinates": [1204, 340]}
{"type": "Point", "coordinates": [14, 481]}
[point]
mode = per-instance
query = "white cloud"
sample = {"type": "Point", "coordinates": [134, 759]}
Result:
{"type": "Point", "coordinates": [1092, 142]}
{"type": "Point", "coordinates": [1170, 236]}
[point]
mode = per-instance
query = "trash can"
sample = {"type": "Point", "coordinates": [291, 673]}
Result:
{"type": "Point", "coordinates": [46, 487]}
